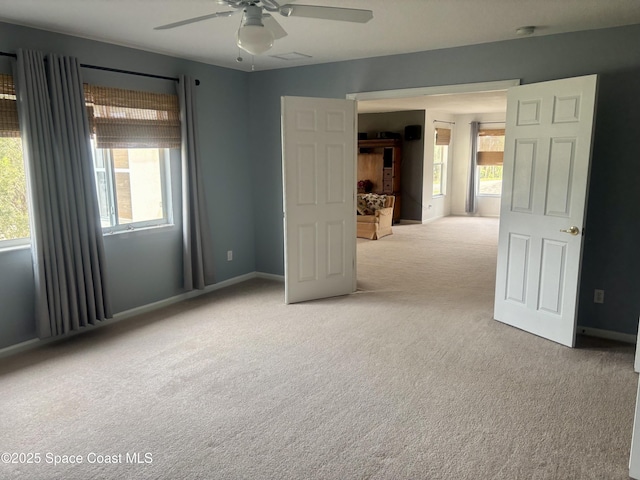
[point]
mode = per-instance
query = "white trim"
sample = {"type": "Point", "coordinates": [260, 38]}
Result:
{"type": "Point", "coordinates": [432, 219]}
{"type": "Point", "coordinates": [134, 312]}
{"type": "Point", "coordinates": [179, 298]}
{"type": "Point", "coordinates": [15, 244]}
{"type": "Point", "coordinates": [437, 90]}
{"type": "Point", "coordinates": [270, 276]}
{"type": "Point", "coordinates": [608, 334]}
{"type": "Point", "coordinates": [20, 347]}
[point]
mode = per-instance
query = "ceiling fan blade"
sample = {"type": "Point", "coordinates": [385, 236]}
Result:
{"type": "Point", "coordinates": [327, 13]}
{"type": "Point", "coordinates": [269, 22]}
{"type": "Point", "coordinates": [196, 19]}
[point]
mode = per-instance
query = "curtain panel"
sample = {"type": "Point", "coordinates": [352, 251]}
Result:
{"type": "Point", "coordinates": [68, 252]}
{"type": "Point", "coordinates": [196, 234]}
{"type": "Point", "coordinates": [471, 204]}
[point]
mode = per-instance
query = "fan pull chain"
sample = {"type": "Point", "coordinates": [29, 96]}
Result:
{"type": "Point", "coordinates": [239, 58]}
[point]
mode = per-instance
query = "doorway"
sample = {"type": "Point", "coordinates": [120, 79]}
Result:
{"type": "Point", "coordinates": [452, 108]}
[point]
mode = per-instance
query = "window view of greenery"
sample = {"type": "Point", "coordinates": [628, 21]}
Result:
{"type": "Point", "coordinates": [490, 180]}
{"type": "Point", "coordinates": [14, 212]}
{"type": "Point", "coordinates": [437, 179]}
{"type": "Point", "coordinates": [490, 176]}
{"type": "Point", "coordinates": [131, 186]}
{"type": "Point", "coordinates": [440, 153]}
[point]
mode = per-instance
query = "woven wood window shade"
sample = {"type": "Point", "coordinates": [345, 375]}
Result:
{"type": "Point", "coordinates": [443, 136]}
{"type": "Point", "coordinates": [490, 158]}
{"type": "Point", "coordinates": [493, 156]}
{"type": "Point", "coordinates": [122, 118]}
{"type": "Point", "coordinates": [495, 132]}
{"type": "Point", "coordinates": [9, 124]}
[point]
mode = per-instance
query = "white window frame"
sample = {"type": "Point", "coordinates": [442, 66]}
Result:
{"type": "Point", "coordinates": [15, 243]}
{"type": "Point", "coordinates": [165, 182]}
{"type": "Point", "coordinates": [443, 170]}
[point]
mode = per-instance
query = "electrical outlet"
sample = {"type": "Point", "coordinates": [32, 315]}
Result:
{"type": "Point", "coordinates": [598, 296]}
{"type": "Point", "coordinates": [229, 255]}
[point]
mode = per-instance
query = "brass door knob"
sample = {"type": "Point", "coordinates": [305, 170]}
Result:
{"type": "Point", "coordinates": [573, 230]}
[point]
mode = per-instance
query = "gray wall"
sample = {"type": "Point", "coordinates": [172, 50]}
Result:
{"type": "Point", "coordinates": [412, 154]}
{"type": "Point", "coordinates": [611, 260]}
{"type": "Point", "coordinates": [146, 266]}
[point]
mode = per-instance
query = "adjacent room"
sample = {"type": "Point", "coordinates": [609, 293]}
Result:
{"type": "Point", "coordinates": [434, 137]}
{"type": "Point", "coordinates": [149, 250]}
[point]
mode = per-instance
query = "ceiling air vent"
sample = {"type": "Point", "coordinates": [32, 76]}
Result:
{"type": "Point", "coordinates": [291, 56]}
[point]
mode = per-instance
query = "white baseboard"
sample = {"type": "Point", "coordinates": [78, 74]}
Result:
{"type": "Point", "coordinates": [20, 347]}
{"type": "Point", "coordinates": [608, 334]}
{"type": "Point", "coordinates": [270, 276]}
{"type": "Point", "coordinates": [134, 312]}
{"type": "Point", "coordinates": [180, 298]}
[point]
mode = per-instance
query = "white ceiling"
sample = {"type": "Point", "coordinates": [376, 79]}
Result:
{"type": "Point", "coordinates": [400, 26]}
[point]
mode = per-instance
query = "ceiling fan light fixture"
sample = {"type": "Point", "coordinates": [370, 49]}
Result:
{"type": "Point", "coordinates": [255, 39]}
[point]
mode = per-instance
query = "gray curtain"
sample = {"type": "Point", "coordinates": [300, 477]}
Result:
{"type": "Point", "coordinates": [471, 205]}
{"type": "Point", "coordinates": [196, 235]}
{"type": "Point", "coordinates": [68, 253]}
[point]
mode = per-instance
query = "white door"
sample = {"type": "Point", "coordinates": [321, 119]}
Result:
{"type": "Point", "coordinates": [545, 181]}
{"type": "Point", "coordinates": [319, 170]}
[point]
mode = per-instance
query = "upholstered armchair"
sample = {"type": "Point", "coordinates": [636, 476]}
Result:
{"type": "Point", "coordinates": [375, 215]}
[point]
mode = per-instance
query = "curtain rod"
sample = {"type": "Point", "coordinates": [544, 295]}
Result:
{"type": "Point", "coordinates": [115, 70]}
{"type": "Point", "coordinates": [486, 123]}
{"type": "Point", "coordinates": [444, 121]}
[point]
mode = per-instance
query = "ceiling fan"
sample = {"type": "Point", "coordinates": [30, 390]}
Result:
{"type": "Point", "coordinates": [260, 29]}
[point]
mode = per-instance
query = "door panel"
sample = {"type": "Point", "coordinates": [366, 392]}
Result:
{"type": "Point", "coordinates": [545, 181]}
{"type": "Point", "coordinates": [517, 268]}
{"type": "Point", "coordinates": [523, 176]}
{"type": "Point", "coordinates": [319, 197]}
{"type": "Point", "coordinates": [552, 273]}
{"type": "Point", "coordinates": [559, 177]}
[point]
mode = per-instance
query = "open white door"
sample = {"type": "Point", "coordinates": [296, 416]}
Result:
{"type": "Point", "coordinates": [545, 181]}
{"type": "Point", "coordinates": [319, 170]}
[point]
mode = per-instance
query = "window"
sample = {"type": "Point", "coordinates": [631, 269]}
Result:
{"type": "Point", "coordinates": [490, 155]}
{"type": "Point", "coordinates": [131, 186]}
{"type": "Point", "coordinates": [132, 134]}
{"type": "Point", "coordinates": [440, 153]}
{"type": "Point", "coordinates": [14, 210]}
{"type": "Point", "coordinates": [440, 156]}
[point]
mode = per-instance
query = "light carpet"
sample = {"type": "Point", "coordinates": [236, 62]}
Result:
{"type": "Point", "coordinates": [409, 378]}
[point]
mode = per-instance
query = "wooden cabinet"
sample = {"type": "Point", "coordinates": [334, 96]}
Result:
{"type": "Point", "coordinates": [379, 161]}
